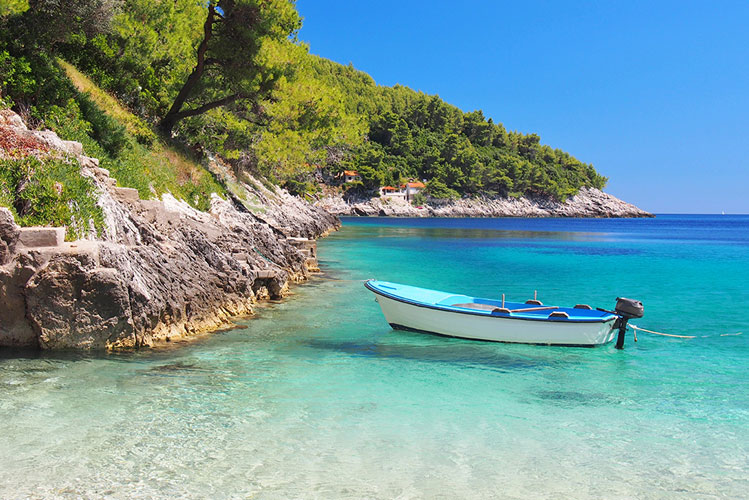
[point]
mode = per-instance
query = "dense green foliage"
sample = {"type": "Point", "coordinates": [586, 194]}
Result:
{"type": "Point", "coordinates": [241, 56]}
{"type": "Point", "coordinates": [49, 93]}
{"type": "Point", "coordinates": [44, 92]}
{"type": "Point", "coordinates": [149, 54]}
{"type": "Point", "coordinates": [50, 22]}
{"type": "Point", "coordinates": [50, 192]}
{"type": "Point", "coordinates": [284, 114]}
{"type": "Point", "coordinates": [11, 7]}
{"type": "Point", "coordinates": [414, 135]}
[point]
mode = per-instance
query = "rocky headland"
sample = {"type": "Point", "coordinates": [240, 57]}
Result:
{"type": "Point", "coordinates": [161, 270]}
{"type": "Point", "coordinates": [588, 202]}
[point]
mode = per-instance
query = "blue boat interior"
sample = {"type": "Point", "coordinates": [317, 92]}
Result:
{"type": "Point", "coordinates": [477, 305]}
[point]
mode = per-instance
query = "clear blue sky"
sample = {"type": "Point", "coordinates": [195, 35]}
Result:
{"type": "Point", "coordinates": [654, 93]}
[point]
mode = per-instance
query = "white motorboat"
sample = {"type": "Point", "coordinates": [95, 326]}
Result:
{"type": "Point", "coordinates": [418, 309]}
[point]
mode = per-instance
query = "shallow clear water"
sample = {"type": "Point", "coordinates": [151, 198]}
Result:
{"type": "Point", "coordinates": [318, 398]}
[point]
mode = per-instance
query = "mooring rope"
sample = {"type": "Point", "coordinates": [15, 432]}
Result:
{"type": "Point", "coordinates": [637, 328]}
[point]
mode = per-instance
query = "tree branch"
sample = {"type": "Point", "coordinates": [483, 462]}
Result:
{"type": "Point", "coordinates": [208, 106]}
{"type": "Point", "coordinates": [172, 116]}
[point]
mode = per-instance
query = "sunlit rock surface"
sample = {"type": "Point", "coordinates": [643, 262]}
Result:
{"type": "Point", "coordinates": [160, 271]}
{"type": "Point", "coordinates": [588, 202]}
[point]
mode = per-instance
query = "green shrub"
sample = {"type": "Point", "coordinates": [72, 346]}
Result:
{"type": "Point", "coordinates": [301, 187]}
{"type": "Point", "coordinates": [11, 7]}
{"type": "Point", "coordinates": [105, 130]}
{"type": "Point", "coordinates": [50, 193]}
{"type": "Point", "coordinates": [354, 186]}
{"type": "Point", "coordinates": [15, 75]}
{"type": "Point", "coordinates": [67, 122]}
{"type": "Point", "coordinates": [438, 190]}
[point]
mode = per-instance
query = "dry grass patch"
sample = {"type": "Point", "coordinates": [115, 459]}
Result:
{"type": "Point", "coordinates": [148, 163]}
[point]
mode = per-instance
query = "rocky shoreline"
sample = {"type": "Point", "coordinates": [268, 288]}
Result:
{"type": "Point", "coordinates": [161, 271]}
{"type": "Point", "coordinates": [589, 202]}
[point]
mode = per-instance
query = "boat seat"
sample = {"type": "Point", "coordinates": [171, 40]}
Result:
{"type": "Point", "coordinates": [559, 314]}
{"type": "Point", "coordinates": [478, 307]}
{"type": "Point", "coordinates": [501, 310]}
{"type": "Point", "coordinates": [534, 302]}
{"type": "Point", "coordinates": [484, 307]}
{"type": "Point", "coordinates": [583, 306]}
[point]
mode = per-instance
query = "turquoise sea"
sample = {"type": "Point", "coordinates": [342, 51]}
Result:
{"type": "Point", "coordinates": [318, 398]}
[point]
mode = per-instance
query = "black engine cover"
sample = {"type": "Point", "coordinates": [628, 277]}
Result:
{"type": "Point", "coordinates": [629, 308]}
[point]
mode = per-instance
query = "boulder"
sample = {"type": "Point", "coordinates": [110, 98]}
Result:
{"type": "Point", "coordinates": [42, 236]}
{"type": "Point", "coordinates": [71, 303]}
{"type": "Point", "coordinates": [15, 328]}
{"type": "Point", "coordinates": [10, 119]}
{"type": "Point", "coordinates": [9, 233]}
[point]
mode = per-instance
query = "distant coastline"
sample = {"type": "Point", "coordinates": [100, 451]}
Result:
{"type": "Point", "coordinates": [587, 203]}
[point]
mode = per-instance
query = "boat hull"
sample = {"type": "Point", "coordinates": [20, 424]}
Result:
{"type": "Point", "coordinates": [407, 316]}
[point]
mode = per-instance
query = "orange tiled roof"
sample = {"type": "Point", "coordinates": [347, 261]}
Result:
{"type": "Point", "coordinates": [417, 184]}
{"type": "Point", "coordinates": [388, 188]}
{"type": "Point", "coordinates": [350, 172]}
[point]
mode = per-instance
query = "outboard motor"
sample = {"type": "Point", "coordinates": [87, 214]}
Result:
{"type": "Point", "coordinates": [626, 309]}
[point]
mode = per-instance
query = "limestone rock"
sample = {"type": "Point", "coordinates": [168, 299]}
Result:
{"type": "Point", "coordinates": [72, 303]}
{"type": "Point", "coordinates": [9, 233]}
{"type": "Point", "coordinates": [588, 202]}
{"type": "Point", "coordinates": [288, 215]}
{"type": "Point", "coordinates": [162, 269]}
{"type": "Point", "coordinates": [10, 119]}
{"type": "Point", "coordinates": [15, 328]}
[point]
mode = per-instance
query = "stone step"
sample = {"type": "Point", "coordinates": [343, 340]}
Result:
{"type": "Point", "coordinates": [156, 211]}
{"type": "Point", "coordinates": [241, 257]}
{"type": "Point", "coordinates": [302, 242]}
{"type": "Point", "coordinates": [266, 274]}
{"type": "Point", "coordinates": [42, 236]}
{"type": "Point", "coordinates": [130, 194]}
{"type": "Point", "coordinates": [152, 204]}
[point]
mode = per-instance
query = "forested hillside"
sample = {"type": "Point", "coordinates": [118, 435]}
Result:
{"type": "Point", "coordinates": [412, 134]}
{"type": "Point", "coordinates": [229, 78]}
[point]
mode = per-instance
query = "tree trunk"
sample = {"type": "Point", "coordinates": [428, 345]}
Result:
{"type": "Point", "coordinates": [174, 114]}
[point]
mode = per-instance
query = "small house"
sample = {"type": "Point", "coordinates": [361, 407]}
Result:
{"type": "Point", "coordinates": [351, 176]}
{"type": "Point", "coordinates": [411, 188]}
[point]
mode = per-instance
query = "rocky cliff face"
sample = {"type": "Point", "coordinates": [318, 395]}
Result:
{"type": "Point", "coordinates": [589, 202]}
{"type": "Point", "coordinates": [162, 270]}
